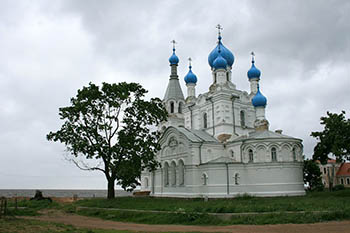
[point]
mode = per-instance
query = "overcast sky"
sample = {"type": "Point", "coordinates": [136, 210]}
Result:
{"type": "Point", "coordinates": [49, 49]}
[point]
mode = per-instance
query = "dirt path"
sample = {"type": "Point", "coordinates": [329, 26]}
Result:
{"type": "Point", "coordinates": [96, 223]}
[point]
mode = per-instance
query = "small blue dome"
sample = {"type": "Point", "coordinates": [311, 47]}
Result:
{"type": "Point", "coordinates": [174, 60]}
{"type": "Point", "coordinates": [190, 77]}
{"type": "Point", "coordinates": [220, 62]}
{"type": "Point", "coordinates": [225, 53]}
{"type": "Point", "coordinates": [259, 100]}
{"type": "Point", "coordinates": [253, 72]}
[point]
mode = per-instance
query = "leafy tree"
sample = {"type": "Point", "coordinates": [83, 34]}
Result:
{"type": "Point", "coordinates": [334, 139]}
{"type": "Point", "coordinates": [312, 175]}
{"type": "Point", "coordinates": [111, 128]}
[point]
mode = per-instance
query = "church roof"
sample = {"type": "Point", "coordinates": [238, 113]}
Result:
{"type": "Point", "coordinates": [344, 170]}
{"type": "Point", "coordinates": [196, 135]}
{"type": "Point", "coordinates": [264, 135]}
{"type": "Point", "coordinates": [267, 134]}
{"type": "Point", "coordinates": [193, 135]}
{"type": "Point", "coordinates": [173, 90]}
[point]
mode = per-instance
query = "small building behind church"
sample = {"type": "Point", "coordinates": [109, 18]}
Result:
{"type": "Point", "coordinates": [218, 144]}
{"type": "Point", "coordinates": [335, 173]}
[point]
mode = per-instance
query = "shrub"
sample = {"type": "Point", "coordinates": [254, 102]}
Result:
{"type": "Point", "coordinates": [339, 187]}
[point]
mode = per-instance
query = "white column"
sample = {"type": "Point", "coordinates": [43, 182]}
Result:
{"type": "Point", "coordinates": [191, 89]}
{"type": "Point", "coordinates": [260, 113]}
{"type": "Point", "coordinates": [254, 85]}
{"type": "Point", "coordinates": [221, 76]}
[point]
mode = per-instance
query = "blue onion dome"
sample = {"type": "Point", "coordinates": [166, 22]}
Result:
{"type": "Point", "coordinates": [190, 76]}
{"type": "Point", "coordinates": [220, 62]}
{"type": "Point", "coordinates": [253, 72]}
{"type": "Point", "coordinates": [174, 60]}
{"type": "Point", "coordinates": [259, 100]}
{"type": "Point", "coordinates": [225, 53]}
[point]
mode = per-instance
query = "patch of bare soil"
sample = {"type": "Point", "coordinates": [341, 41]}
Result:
{"type": "Point", "coordinates": [96, 223]}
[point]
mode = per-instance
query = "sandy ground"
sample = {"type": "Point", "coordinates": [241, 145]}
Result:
{"type": "Point", "coordinates": [96, 223]}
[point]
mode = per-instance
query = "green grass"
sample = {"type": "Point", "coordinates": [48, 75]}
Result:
{"type": "Point", "coordinates": [31, 226]}
{"type": "Point", "coordinates": [30, 208]}
{"type": "Point", "coordinates": [318, 201]}
{"type": "Point", "coordinates": [205, 219]}
{"type": "Point", "coordinates": [314, 207]}
{"type": "Point", "coordinates": [153, 218]}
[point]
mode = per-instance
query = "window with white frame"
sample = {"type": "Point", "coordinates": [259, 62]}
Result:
{"type": "Point", "coordinates": [251, 155]}
{"type": "Point", "coordinates": [294, 154]}
{"type": "Point", "coordinates": [242, 116]}
{"type": "Point", "coordinates": [146, 182]}
{"type": "Point", "coordinates": [205, 179]}
{"type": "Point", "coordinates": [236, 179]}
{"type": "Point", "coordinates": [173, 173]}
{"type": "Point", "coordinates": [180, 108]}
{"type": "Point", "coordinates": [273, 154]}
{"type": "Point", "coordinates": [166, 174]}
{"type": "Point", "coordinates": [205, 121]}
{"type": "Point", "coordinates": [172, 107]}
{"type": "Point", "coordinates": [181, 173]}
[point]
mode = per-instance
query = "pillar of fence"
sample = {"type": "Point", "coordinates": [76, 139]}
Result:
{"type": "Point", "coordinates": [3, 207]}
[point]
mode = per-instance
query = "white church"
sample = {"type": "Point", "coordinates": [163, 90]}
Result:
{"type": "Point", "coordinates": [218, 144]}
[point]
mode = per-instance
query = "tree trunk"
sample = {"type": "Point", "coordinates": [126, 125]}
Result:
{"type": "Point", "coordinates": [110, 186]}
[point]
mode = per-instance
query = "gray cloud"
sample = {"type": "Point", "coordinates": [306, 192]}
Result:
{"type": "Point", "coordinates": [51, 49]}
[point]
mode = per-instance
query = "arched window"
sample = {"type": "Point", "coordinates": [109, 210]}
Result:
{"type": "Point", "coordinates": [181, 173]}
{"type": "Point", "coordinates": [172, 107]}
{"type": "Point", "coordinates": [273, 154]}
{"type": "Point", "coordinates": [146, 182]}
{"type": "Point", "coordinates": [242, 116]}
{"type": "Point", "coordinates": [347, 181]}
{"type": "Point", "coordinates": [166, 174]}
{"type": "Point", "coordinates": [205, 121]}
{"type": "Point", "coordinates": [180, 107]}
{"type": "Point", "coordinates": [294, 154]}
{"type": "Point", "coordinates": [342, 181]}
{"type": "Point", "coordinates": [251, 156]}
{"type": "Point", "coordinates": [205, 179]}
{"type": "Point", "coordinates": [236, 179]}
{"type": "Point", "coordinates": [173, 173]}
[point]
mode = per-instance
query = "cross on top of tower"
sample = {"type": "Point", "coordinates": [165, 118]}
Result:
{"type": "Point", "coordinates": [253, 56]}
{"type": "Point", "coordinates": [173, 42]}
{"type": "Point", "coordinates": [219, 29]}
{"type": "Point", "coordinates": [190, 62]}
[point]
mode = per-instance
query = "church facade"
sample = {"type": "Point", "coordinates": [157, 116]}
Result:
{"type": "Point", "coordinates": [218, 144]}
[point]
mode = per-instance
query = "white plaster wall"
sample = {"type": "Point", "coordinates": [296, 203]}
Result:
{"type": "Point", "coordinates": [258, 179]}
{"type": "Point", "coordinates": [223, 121]}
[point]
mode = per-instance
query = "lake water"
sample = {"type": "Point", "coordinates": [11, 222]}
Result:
{"type": "Point", "coordinates": [61, 193]}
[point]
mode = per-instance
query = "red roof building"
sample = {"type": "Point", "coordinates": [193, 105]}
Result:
{"type": "Point", "coordinates": [335, 173]}
{"type": "Point", "coordinates": [343, 174]}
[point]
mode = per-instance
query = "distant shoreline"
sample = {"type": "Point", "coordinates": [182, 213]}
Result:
{"type": "Point", "coordinates": [83, 193]}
